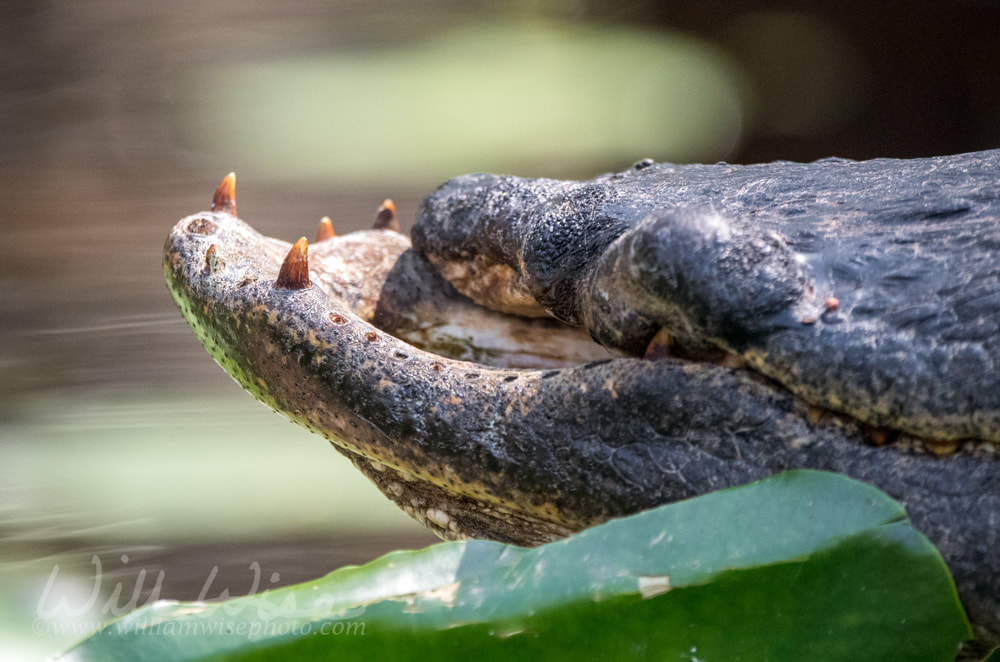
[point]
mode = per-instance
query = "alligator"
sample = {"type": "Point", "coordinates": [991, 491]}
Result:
{"type": "Point", "coordinates": [836, 315]}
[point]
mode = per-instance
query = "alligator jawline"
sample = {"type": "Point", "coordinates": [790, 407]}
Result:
{"type": "Point", "coordinates": [549, 451]}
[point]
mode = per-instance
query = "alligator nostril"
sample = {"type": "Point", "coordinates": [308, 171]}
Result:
{"type": "Point", "coordinates": [202, 226]}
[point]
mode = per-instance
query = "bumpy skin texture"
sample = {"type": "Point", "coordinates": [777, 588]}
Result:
{"type": "Point", "coordinates": [527, 456]}
{"type": "Point", "coordinates": [375, 273]}
{"type": "Point", "coordinates": [735, 257]}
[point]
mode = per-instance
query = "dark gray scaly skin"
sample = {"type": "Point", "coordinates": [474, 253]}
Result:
{"type": "Point", "coordinates": [527, 456]}
{"type": "Point", "coordinates": [733, 258]}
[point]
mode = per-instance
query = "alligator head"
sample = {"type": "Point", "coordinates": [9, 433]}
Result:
{"type": "Point", "coordinates": [837, 315]}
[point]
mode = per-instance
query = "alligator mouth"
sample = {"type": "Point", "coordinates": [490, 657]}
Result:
{"type": "Point", "coordinates": [469, 303]}
{"type": "Point", "coordinates": [483, 312]}
{"type": "Point", "coordinates": [521, 429]}
{"type": "Point", "coordinates": [269, 311]}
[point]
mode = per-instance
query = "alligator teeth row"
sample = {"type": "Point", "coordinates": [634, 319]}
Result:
{"type": "Point", "coordinates": [294, 274]}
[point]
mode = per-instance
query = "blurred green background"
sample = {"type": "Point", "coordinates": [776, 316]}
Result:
{"type": "Point", "coordinates": [131, 466]}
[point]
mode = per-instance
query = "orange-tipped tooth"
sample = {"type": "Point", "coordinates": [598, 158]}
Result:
{"type": "Point", "coordinates": [294, 274]}
{"type": "Point", "coordinates": [325, 230]}
{"type": "Point", "coordinates": [224, 199]}
{"type": "Point", "coordinates": [385, 219]}
{"type": "Point", "coordinates": [660, 346]}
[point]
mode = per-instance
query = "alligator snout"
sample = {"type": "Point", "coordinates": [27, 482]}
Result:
{"type": "Point", "coordinates": [543, 434]}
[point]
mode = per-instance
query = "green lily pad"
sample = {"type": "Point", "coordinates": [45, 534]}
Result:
{"type": "Point", "coordinates": [801, 566]}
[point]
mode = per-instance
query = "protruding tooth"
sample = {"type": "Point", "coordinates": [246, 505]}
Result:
{"type": "Point", "coordinates": [294, 274]}
{"type": "Point", "coordinates": [385, 219]}
{"type": "Point", "coordinates": [325, 230]}
{"type": "Point", "coordinates": [659, 346]}
{"type": "Point", "coordinates": [224, 199]}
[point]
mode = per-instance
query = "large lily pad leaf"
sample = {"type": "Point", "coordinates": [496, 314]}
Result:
{"type": "Point", "coordinates": [801, 566]}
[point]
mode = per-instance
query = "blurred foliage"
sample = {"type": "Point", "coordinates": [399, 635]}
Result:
{"type": "Point", "coordinates": [139, 481]}
{"type": "Point", "coordinates": [533, 98]}
{"type": "Point", "coordinates": [180, 467]}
